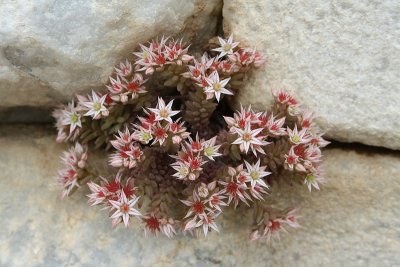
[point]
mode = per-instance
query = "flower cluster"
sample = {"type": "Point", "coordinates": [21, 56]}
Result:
{"type": "Point", "coordinates": [178, 163]}
{"type": "Point", "coordinates": [119, 198]}
{"type": "Point", "coordinates": [74, 162]}
{"type": "Point", "coordinates": [213, 74]}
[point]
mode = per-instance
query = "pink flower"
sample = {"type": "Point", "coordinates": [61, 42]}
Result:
{"type": "Point", "coordinates": [235, 191]}
{"type": "Point", "coordinates": [124, 68]}
{"type": "Point", "coordinates": [284, 97]}
{"type": "Point", "coordinates": [205, 221]}
{"type": "Point", "coordinates": [98, 195]}
{"type": "Point", "coordinates": [135, 85]}
{"type": "Point", "coordinates": [155, 225]}
{"type": "Point", "coordinates": [116, 85]}
{"type": "Point", "coordinates": [291, 159]}
{"type": "Point", "coordinates": [197, 206]}
{"type": "Point", "coordinates": [74, 160]}
{"type": "Point", "coordinates": [291, 219]}
{"type": "Point", "coordinates": [160, 133]}
{"type": "Point", "coordinates": [274, 125]}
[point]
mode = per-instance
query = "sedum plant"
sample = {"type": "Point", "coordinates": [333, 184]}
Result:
{"type": "Point", "coordinates": [178, 154]}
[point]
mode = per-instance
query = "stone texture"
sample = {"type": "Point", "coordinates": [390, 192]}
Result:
{"type": "Point", "coordinates": [341, 58]}
{"type": "Point", "coordinates": [50, 50]}
{"type": "Point", "coordinates": [353, 221]}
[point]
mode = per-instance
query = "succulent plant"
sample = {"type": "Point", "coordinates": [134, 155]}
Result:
{"type": "Point", "coordinates": [180, 174]}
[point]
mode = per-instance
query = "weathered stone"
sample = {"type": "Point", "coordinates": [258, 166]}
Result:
{"type": "Point", "coordinates": [50, 50]}
{"type": "Point", "coordinates": [340, 58]}
{"type": "Point", "coordinates": [353, 221]}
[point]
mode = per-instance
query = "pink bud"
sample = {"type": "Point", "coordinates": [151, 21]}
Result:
{"type": "Point", "coordinates": [192, 177]}
{"type": "Point", "coordinates": [124, 98]}
{"type": "Point", "coordinates": [203, 191]}
{"type": "Point", "coordinates": [299, 167]}
{"type": "Point", "coordinates": [176, 139]}
{"type": "Point", "coordinates": [231, 171]}
{"type": "Point", "coordinates": [81, 164]}
{"type": "Point", "coordinates": [211, 186]}
{"type": "Point", "coordinates": [149, 71]}
{"type": "Point", "coordinates": [254, 235]}
{"type": "Point", "coordinates": [186, 58]}
{"type": "Point", "coordinates": [105, 113]}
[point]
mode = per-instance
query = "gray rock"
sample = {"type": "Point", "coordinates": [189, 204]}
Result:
{"type": "Point", "coordinates": [341, 58]}
{"type": "Point", "coordinates": [50, 50]}
{"type": "Point", "coordinates": [353, 221]}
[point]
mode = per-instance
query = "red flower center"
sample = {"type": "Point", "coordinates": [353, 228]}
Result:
{"type": "Point", "coordinates": [159, 132]}
{"type": "Point", "coordinates": [132, 86]}
{"type": "Point", "coordinates": [113, 187]}
{"type": "Point", "coordinates": [274, 226]}
{"type": "Point", "coordinates": [195, 164]}
{"type": "Point", "coordinates": [152, 224]}
{"type": "Point", "coordinates": [232, 188]}
{"type": "Point", "coordinates": [160, 60]}
{"type": "Point", "coordinates": [196, 145]}
{"type": "Point", "coordinates": [124, 208]}
{"type": "Point", "coordinates": [299, 151]}
{"type": "Point", "coordinates": [198, 207]}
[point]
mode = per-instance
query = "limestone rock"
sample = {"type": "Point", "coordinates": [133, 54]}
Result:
{"type": "Point", "coordinates": [50, 50]}
{"type": "Point", "coordinates": [354, 220]}
{"type": "Point", "coordinates": [340, 58]}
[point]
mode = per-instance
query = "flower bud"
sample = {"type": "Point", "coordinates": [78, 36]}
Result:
{"type": "Point", "coordinates": [124, 98]}
{"type": "Point", "coordinates": [176, 139]}
{"type": "Point", "coordinates": [203, 191]}
{"type": "Point", "coordinates": [211, 186]}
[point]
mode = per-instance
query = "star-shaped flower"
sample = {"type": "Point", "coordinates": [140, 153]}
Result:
{"type": "Point", "coordinates": [124, 208]}
{"type": "Point", "coordinates": [255, 173]}
{"type": "Point", "coordinates": [249, 138]}
{"type": "Point", "coordinates": [95, 106]}
{"type": "Point", "coordinates": [164, 112]}
{"type": "Point", "coordinates": [217, 87]}
{"type": "Point", "coordinates": [71, 117]}
{"type": "Point", "coordinates": [226, 47]}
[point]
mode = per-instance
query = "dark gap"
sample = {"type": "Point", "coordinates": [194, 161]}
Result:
{"type": "Point", "coordinates": [26, 114]}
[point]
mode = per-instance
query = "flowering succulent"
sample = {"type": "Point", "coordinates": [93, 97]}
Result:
{"type": "Point", "coordinates": [178, 155]}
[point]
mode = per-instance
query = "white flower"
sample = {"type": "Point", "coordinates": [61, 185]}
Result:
{"type": "Point", "coordinates": [143, 135]}
{"type": "Point", "coordinates": [124, 208]}
{"type": "Point", "coordinates": [217, 87]}
{"type": "Point", "coordinates": [164, 112]}
{"type": "Point", "coordinates": [182, 170]}
{"type": "Point", "coordinates": [210, 150]}
{"type": "Point", "coordinates": [297, 137]}
{"type": "Point", "coordinates": [95, 106]}
{"type": "Point", "coordinates": [255, 173]}
{"type": "Point", "coordinates": [71, 117]}
{"type": "Point", "coordinates": [227, 46]}
{"type": "Point", "coordinates": [248, 139]}
{"type": "Point", "coordinates": [313, 180]}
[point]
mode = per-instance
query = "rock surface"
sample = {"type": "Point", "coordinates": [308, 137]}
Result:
{"type": "Point", "coordinates": [50, 50]}
{"type": "Point", "coordinates": [353, 221]}
{"type": "Point", "coordinates": [340, 58]}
